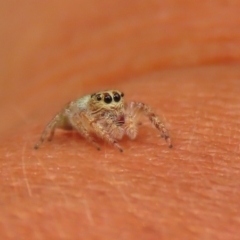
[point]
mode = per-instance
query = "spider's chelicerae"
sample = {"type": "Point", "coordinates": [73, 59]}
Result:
{"type": "Point", "coordinates": [105, 115]}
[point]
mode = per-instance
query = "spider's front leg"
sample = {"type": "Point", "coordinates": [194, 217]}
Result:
{"type": "Point", "coordinates": [134, 110]}
{"type": "Point", "coordinates": [79, 123]}
{"type": "Point", "coordinates": [105, 132]}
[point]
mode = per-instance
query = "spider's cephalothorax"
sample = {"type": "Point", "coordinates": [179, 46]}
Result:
{"type": "Point", "coordinates": [108, 104]}
{"type": "Point", "coordinates": [103, 114]}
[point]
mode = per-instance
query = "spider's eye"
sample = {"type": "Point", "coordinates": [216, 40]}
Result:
{"type": "Point", "coordinates": [122, 94]}
{"type": "Point", "coordinates": [116, 97]}
{"type": "Point", "coordinates": [99, 98]}
{"type": "Point", "coordinates": [107, 98]}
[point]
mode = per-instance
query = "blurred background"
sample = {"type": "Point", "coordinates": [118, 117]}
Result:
{"type": "Point", "coordinates": [55, 51]}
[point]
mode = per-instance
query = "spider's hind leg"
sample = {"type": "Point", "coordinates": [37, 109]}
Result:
{"type": "Point", "coordinates": [49, 130]}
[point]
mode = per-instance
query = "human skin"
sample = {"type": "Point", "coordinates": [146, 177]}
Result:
{"type": "Point", "coordinates": [182, 60]}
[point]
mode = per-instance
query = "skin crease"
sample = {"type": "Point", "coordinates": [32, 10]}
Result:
{"type": "Point", "coordinates": [180, 58]}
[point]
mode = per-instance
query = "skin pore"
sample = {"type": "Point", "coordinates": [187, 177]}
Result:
{"type": "Point", "coordinates": [165, 56]}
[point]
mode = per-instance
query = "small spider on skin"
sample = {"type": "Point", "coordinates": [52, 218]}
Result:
{"type": "Point", "coordinates": [105, 115]}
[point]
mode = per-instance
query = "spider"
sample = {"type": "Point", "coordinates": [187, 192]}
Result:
{"type": "Point", "coordinates": [105, 115]}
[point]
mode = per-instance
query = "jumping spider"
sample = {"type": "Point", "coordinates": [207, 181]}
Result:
{"type": "Point", "coordinates": [105, 115]}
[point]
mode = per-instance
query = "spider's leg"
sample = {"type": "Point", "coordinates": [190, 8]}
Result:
{"type": "Point", "coordinates": [60, 120]}
{"type": "Point", "coordinates": [134, 109]}
{"type": "Point", "coordinates": [78, 122]}
{"type": "Point", "coordinates": [51, 126]}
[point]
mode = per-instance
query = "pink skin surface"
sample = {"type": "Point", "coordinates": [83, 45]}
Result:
{"type": "Point", "coordinates": [180, 58]}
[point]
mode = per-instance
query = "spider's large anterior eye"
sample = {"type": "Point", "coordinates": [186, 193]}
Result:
{"type": "Point", "coordinates": [107, 98]}
{"type": "Point", "coordinates": [99, 98]}
{"type": "Point", "coordinates": [116, 97]}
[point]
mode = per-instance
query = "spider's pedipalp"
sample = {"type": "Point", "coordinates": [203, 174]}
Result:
{"type": "Point", "coordinates": [105, 134]}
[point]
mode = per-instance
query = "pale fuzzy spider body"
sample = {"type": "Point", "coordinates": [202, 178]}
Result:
{"type": "Point", "coordinates": [105, 115]}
